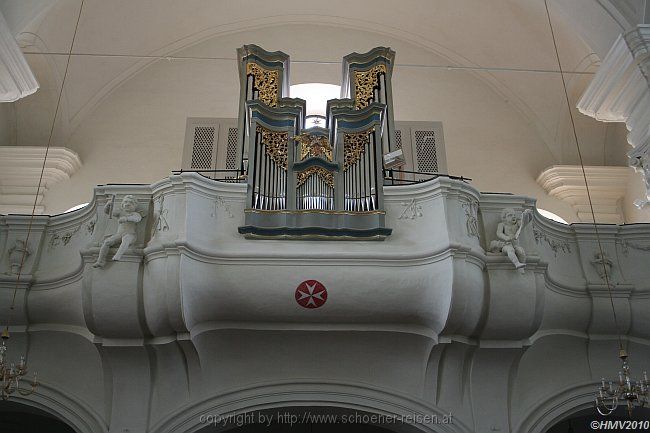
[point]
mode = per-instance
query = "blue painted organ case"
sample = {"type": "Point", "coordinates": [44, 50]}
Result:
{"type": "Point", "coordinates": [315, 183]}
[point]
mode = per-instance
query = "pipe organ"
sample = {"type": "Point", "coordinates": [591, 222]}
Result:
{"type": "Point", "coordinates": [324, 183]}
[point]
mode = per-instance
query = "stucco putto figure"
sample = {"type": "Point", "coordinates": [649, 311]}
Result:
{"type": "Point", "coordinates": [603, 265]}
{"type": "Point", "coordinates": [128, 218]}
{"type": "Point", "coordinates": [17, 255]}
{"type": "Point", "coordinates": [508, 232]}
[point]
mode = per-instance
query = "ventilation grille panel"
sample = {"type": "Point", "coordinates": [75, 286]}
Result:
{"type": "Point", "coordinates": [203, 148]}
{"type": "Point", "coordinates": [425, 147]}
{"type": "Point", "coordinates": [398, 139]}
{"type": "Point", "coordinates": [231, 149]}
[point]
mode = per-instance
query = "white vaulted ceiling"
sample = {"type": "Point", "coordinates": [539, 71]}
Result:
{"type": "Point", "coordinates": [487, 69]}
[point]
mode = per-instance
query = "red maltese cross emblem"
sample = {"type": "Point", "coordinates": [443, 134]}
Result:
{"type": "Point", "coordinates": [311, 294]}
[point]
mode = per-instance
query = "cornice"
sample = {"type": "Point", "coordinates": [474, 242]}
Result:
{"type": "Point", "coordinates": [20, 171]}
{"type": "Point", "coordinates": [428, 189]}
{"type": "Point", "coordinates": [607, 186]}
{"type": "Point", "coordinates": [558, 177]}
{"type": "Point", "coordinates": [190, 181]}
{"type": "Point", "coordinates": [620, 90]}
{"type": "Point", "coordinates": [619, 84]}
{"type": "Point", "coordinates": [61, 162]}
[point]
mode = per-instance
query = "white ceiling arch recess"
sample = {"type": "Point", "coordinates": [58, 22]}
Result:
{"type": "Point", "coordinates": [107, 83]}
{"type": "Point", "coordinates": [599, 21]}
{"type": "Point", "coordinates": [163, 28]}
{"type": "Point", "coordinates": [162, 33]}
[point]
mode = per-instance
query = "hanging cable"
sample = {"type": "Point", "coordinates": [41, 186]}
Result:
{"type": "Point", "coordinates": [584, 175]}
{"type": "Point", "coordinates": [40, 179]}
{"type": "Point", "coordinates": [449, 67]}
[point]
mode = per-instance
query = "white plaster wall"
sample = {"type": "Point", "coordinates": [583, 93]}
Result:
{"type": "Point", "coordinates": [593, 22]}
{"type": "Point", "coordinates": [111, 106]}
{"type": "Point", "coordinates": [635, 190]}
{"type": "Point", "coordinates": [136, 133]}
{"type": "Point", "coordinates": [204, 321]}
{"type": "Point", "coordinates": [42, 25]}
{"type": "Point", "coordinates": [35, 113]}
{"type": "Point", "coordinates": [7, 124]}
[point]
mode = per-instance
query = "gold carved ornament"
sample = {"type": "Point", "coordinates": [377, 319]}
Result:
{"type": "Point", "coordinates": [314, 145]}
{"type": "Point", "coordinates": [276, 145]}
{"type": "Point", "coordinates": [354, 146]}
{"type": "Point", "coordinates": [326, 176]}
{"type": "Point", "coordinates": [365, 83]}
{"type": "Point", "coordinates": [266, 83]}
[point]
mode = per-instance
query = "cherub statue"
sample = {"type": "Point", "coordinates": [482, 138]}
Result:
{"type": "Point", "coordinates": [128, 218]}
{"type": "Point", "coordinates": [17, 253]}
{"type": "Point", "coordinates": [508, 232]}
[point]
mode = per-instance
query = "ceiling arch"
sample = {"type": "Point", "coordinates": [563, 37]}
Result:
{"type": "Point", "coordinates": [121, 68]}
{"type": "Point", "coordinates": [597, 21]}
{"type": "Point", "coordinates": [487, 41]}
{"type": "Point", "coordinates": [449, 57]}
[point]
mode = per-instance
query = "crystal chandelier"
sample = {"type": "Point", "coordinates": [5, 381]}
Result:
{"type": "Point", "coordinates": [11, 374]}
{"type": "Point", "coordinates": [634, 394]}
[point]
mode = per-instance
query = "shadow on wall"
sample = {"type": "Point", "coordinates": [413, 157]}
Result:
{"type": "Point", "coordinates": [20, 418]}
{"type": "Point", "coordinates": [581, 422]}
{"type": "Point", "coordinates": [307, 419]}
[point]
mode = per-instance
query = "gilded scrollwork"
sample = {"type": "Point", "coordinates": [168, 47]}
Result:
{"type": "Point", "coordinates": [365, 83]}
{"type": "Point", "coordinates": [325, 175]}
{"type": "Point", "coordinates": [314, 145]}
{"type": "Point", "coordinates": [275, 143]}
{"type": "Point", "coordinates": [266, 83]}
{"type": "Point", "coordinates": [354, 146]}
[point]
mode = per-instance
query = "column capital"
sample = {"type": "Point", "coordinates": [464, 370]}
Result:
{"type": "Point", "coordinates": [16, 77]}
{"type": "Point", "coordinates": [620, 92]}
{"type": "Point", "coordinates": [620, 86]}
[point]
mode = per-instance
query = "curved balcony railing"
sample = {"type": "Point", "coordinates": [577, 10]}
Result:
{"type": "Point", "coordinates": [392, 177]}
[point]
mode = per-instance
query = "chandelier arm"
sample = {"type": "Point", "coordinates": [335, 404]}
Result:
{"type": "Point", "coordinates": [26, 392]}
{"type": "Point", "coordinates": [609, 408]}
{"type": "Point", "coordinates": [10, 388]}
{"type": "Point", "coordinates": [606, 412]}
